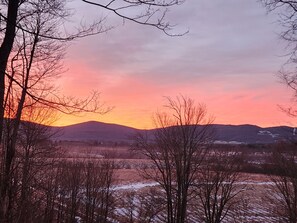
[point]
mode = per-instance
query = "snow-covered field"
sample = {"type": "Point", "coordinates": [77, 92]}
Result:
{"type": "Point", "coordinates": [134, 186]}
{"type": "Point", "coordinates": [255, 209]}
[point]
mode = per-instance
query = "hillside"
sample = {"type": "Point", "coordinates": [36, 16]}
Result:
{"type": "Point", "coordinates": [95, 131]}
{"type": "Point", "coordinates": [99, 131]}
{"type": "Point", "coordinates": [252, 134]}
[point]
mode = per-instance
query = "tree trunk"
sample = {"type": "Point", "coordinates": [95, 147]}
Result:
{"type": "Point", "coordinates": [5, 50]}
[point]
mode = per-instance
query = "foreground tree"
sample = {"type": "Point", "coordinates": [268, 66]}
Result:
{"type": "Point", "coordinates": [176, 150]}
{"type": "Point", "coordinates": [145, 206]}
{"type": "Point", "coordinates": [31, 48]}
{"type": "Point", "coordinates": [218, 191]}
{"type": "Point", "coordinates": [16, 16]}
{"type": "Point", "coordinates": [34, 156]}
{"type": "Point", "coordinates": [283, 194]}
{"type": "Point", "coordinates": [287, 11]}
{"type": "Point", "coordinates": [99, 197]}
{"type": "Point", "coordinates": [34, 62]}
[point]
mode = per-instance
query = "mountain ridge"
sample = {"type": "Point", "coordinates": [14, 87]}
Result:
{"type": "Point", "coordinates": [246, 133]}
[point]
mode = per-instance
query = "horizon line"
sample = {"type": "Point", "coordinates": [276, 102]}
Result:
{"type": "Point", "coordinates": [226, 124]}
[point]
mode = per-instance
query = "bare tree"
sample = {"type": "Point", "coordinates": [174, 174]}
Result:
{"type": "Point", "coordinates": [176, 150]}
{"type": "Point", "coordinates": [283, 194]}
{"type": "Point", "coordinates": [50, 190]}
{"type": "Point", "coordinates": [99, 198]}
{"type": "Point", "coordinates": [287, 11]}
{"type": "Point", "coordinates": [34, 154]}
{"type": "Point", "coordinates": [80, 190]}
{"type": "Point", "coordinates": [218, 191]}
{"type": "Point", "coordinates": [152, 206]}
{"type": "Point", "coordinates": [285, 189]}
{"type": "Point", "coordinates": [141, 206]}
{"type": "Point", "coordinates": [32, 46]}
{"type": "Point", "coordinates": [16, 16]}
{"type": "Point", "coordinates": [129, 204]}
{"type": "Point", "coordinates": [34, 61]}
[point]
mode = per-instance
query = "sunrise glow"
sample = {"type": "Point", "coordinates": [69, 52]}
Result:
{"type": "Point", "coordinates": [228, 62]}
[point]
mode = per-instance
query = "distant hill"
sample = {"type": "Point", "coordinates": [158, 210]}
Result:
{"type": "Point", "coordinates": [252, 134]}
{"type": "Point", "coordinates": [98, 131]}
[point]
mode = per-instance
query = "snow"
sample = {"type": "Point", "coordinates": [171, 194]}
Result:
{"type": "Point", "coordinates": [267, 133]}
{"type": "Point", "coordinates": [134, 186]}
{"type": "Point", "coordinates": [228, 142]}
{"type": "Point", "coordinates": [141, 185]}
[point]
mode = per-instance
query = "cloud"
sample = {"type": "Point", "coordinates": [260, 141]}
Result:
{"type": "Point", "coordinates": [230, 56]}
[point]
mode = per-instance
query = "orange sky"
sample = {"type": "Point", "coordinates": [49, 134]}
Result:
{"type": "Point", "coordinates": [228, 61]}
{"type": "Point", "coordinates": [136, 100]}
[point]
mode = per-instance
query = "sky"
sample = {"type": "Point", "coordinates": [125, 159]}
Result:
{"type": "Point", "coordinates": [228, 61]}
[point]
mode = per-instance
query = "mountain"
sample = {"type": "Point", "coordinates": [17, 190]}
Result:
{"type": "Point", "coordinates": [252, 134]}
{"type": "Point", "coordinates": [98, 131]}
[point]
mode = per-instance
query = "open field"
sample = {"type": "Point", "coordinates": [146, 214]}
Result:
{"type": "Point", "coordinates": [255, 205]}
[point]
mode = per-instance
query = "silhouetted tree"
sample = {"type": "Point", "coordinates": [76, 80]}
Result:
{"type": "Point", "coordinates": [99, 197]}
{"type": "Point", "coordinates": [34, 62]}
{"type": "Point", "coordinates": [219, 188]}
{"type": "Point", "coordinates": [31, 47]}
{"type": "Point", "coordinates": [19, 16]}
{"type": "Point", "coordinates": [283, 194]}
{"type": "Point", "coordinates": [34, 154]}
{"type": "Point", "coordinates": [287, 11]}
{"type": "Point", "coordinates": [141, 206]}
{"type": "Point", "coordinates": [176, 150]}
